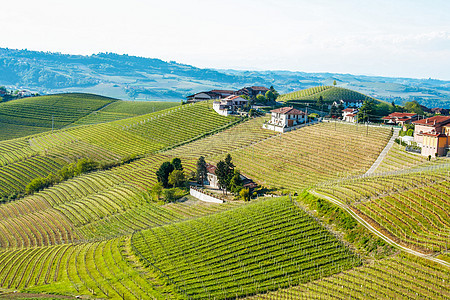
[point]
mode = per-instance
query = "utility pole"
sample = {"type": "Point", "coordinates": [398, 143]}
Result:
{"type": "Point", "coordinates": [367, 124]}
{"type": "Point", "coordinates": [306, 120]}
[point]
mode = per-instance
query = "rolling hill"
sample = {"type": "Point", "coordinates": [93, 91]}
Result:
{"type": "Point", "coordinates": [328, 93]}
{"type": "Point", "coordinates": [33, 115]}
{"type": "Point", "coordinates": [129, 77]}
{"type": "Point", "coordinates": [102, 233]}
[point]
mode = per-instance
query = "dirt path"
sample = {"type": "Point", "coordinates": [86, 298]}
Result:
{"type": "Point", "coordinates": [383, 153]}
{"type": "Point", "coordinates": [378, 233]}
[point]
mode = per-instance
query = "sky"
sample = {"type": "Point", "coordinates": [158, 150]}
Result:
{"type": "Point", "coordinates": [396, 38]}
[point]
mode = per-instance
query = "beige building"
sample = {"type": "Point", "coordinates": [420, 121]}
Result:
{"type": "Point", "coordinates": [432, 135]}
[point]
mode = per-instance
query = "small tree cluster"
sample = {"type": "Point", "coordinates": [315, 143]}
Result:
{"type": "Point", "coordinates": [79, 167]}
{"type": "Point", "coordinates": [228, 177]}
{"type": "Point", "coordinates": [171, 173]}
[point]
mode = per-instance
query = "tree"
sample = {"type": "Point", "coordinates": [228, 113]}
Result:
{"type": "Point", "coordinates": [334, 82]}
{"type": "Point", "coordinates": [229, 163]}
{"type": "Point", "coordinates": [35, 185]}
{"type": "Point", "coordinates": [270, 96]}
{"type": "Point", "coordinates": [335, 112]}
{"type": "Point", "coordinates": [176, 162]}
{"type": "Point", "coordinates": [245, 194]}
{"type": "Point", "coordinates": [201, 170]}
{"type": "Point", "coordinates": [230, 169]}
{"type": "Point", "coordinates": [169, 195]}
{"type": "Point", "coordinates": [156, 190]}
{"type": "Point", "coordinates": [177, 178]}
{"type": "Point", "coordinates": [84, 165]}
{"type": "Point", "coordinates": [274, 91]}
{"type": "Point", "coordinates": [222, 175]}
{"type": "Point", "coordinates": [236, 182]}
{"type": "Point", "coordinates": [261, 99]}
{"type": "Point", "coordinates": [320, 102]}
{"type": "Point", "coordinates": [224, 172]}
{"type": "Point", "coordinates": [163, 173]}
{"type": "Point", "coordinates": [413, 107]}
{"type": "Point", "coordinates": [366, 110]}
{"type": "Point", "coordinates": [251, 113]}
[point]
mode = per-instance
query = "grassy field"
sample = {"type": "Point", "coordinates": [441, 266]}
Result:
{"type": "Point", "coordinates": [250, 249]}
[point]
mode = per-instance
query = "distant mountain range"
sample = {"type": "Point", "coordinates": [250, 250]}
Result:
{"type": "Point", "coordinates": [130, 77]}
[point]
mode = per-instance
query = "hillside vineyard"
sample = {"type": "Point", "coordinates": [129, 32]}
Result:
{"type": "Point", "coordinates": [84, 210]}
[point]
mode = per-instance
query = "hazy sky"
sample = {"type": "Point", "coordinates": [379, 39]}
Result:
{"type": "Point", "coordinates": [380, 37]}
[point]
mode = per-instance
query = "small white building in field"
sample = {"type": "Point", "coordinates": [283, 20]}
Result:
{"type": "Point", "coordinates": [211, 177]}
{"type": "Point", "coordinates": [349, 115]}
{"type": "Point", "coordinates": [229, 105]}
{"type": "Point", "coordinates": [284, 118]}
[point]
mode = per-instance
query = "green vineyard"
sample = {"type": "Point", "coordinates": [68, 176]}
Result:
{"type": "Point", "coordinates": [122, 110]}
{"type": "Point", "coordinates": [399, 277]}
{"type": "Point", "coordinates": [413, 208]}
{"type": "Point", "coordinates": [101, 227]}
{"type": "Point", "coordinates": [41, 113]}
{"type": "Point", "coordinates": [328, 93]}
{"type": "Point", "coordinates": [258, 247]}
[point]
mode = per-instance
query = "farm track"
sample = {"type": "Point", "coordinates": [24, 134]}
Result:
{"type": "Point", "coordinates": [377, 232]}
{"type": "Point", "coordinates": [383, 153]}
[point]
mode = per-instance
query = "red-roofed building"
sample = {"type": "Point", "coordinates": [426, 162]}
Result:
{"type": "Point", "coordinates": [432, 134]}
{"type": "Point", "coordinates": [349, 115]}
{"type": "Point", "coordinates": [440, 111]}
{"type": "Point", "coordinates": [211, 177]}
{"type": "Point", "coordinates": [253, 91]}
{"type": "Point", "coordinates": [401, 119]}
{"type": "Point", "coordinates": [214, 94]}
{"type": "Point", "coordinates": [284, 118]}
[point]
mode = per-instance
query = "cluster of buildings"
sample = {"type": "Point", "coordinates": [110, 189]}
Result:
{"type": "Point", "coordinates": [228, 102]}
{"type": "Point", "coordinates": [433, 135]}
{"type": "Point", "coordinates": [251, 92]}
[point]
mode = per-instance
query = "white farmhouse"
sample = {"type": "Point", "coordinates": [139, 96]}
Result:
{"type": "Point", "coordinates": [229, 105]}
{"type": "Point", "coordinates": [349, 115]}
{"type": "Point", "coordinates": [285, 118]}
{"type": "Point", "coordinates": [211, 177]}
